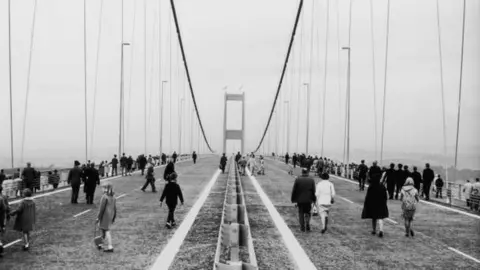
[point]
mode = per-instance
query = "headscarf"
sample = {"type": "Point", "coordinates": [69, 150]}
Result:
{"type": "Point", "coordinates": [409, 182]}
{"type": "Point", "coordinates": [109, 188]}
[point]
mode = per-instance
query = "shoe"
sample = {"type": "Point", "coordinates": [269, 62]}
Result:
{"type": "Point", "coordinates": [324, 230]}
{"type": "Point", "coordinates": [142, 190]}
{"type": "Point", "coordinates": [302, 229]}
{"type": "Point", "coordinates": [108, 250]}
{"type": "Point", "coordinates": [407, 234]}
{"type": "Point", "coordinates": [374, 232]}
{"type": "Point", "coordinates": [25, 248]}
{"type": "Point", "coordinates": [380, 234]}
{"type": "Point", "coordinates": [174, 224]}
{"type": "Point", "coordinates": [168, 225]}
{"type": "Point", "coordinates": [308, 228]}
{"type": "Point", "coordinates": [412, 233]}
{"type": "Point", "coordinates": [99, 247]}
{"type": "Point", "coordinates": [154, 191]}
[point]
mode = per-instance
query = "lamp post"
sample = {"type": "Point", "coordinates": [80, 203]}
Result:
{"type": "Point", "coordinates": [161, 117]}
{"type": "Point", "coordinates": [348, 110]}
{"type": "Point", "coordinates": [180, 107]}
{"type": "Point", "coordinates": [287, 104]}
{"type": "Point", "coordinates": [120, 137]}
{"type": "Point", "coordinates": [308, 116]}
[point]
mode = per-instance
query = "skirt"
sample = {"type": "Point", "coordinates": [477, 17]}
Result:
{"type": "Point", "coordinates": [407, 214]}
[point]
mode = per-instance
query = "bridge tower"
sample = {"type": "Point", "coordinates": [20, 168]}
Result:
{"type": "Point", "coordinates": [234, 134]}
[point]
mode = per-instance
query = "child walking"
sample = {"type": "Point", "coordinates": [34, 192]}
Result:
{"type": "Point", "coordinates": [409, 198]}
{"type": "Point", "coordinates": [4, 216]}
{"type": "Point", "coordinates": [26, 217]}
{"type": "Point", "coordinates": [172, 191]}
{"type": "Point", "coordinates": [106, 215]}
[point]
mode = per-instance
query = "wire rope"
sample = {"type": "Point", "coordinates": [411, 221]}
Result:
{"type": "Point", "coordinates": [97, 61]}
{"type": "Point", "coordinates": [325, 73]}
{"type": "Point", "coordinates": [10, 80]}
{"type": "Point", "coordinates": [442, 92]}
{"type": "Point", "coordinates": [460, 86]}
{"type": "Point", "coordinates": [373, 78]}
{"type": "Point", "coordinates": [188, 72]}
{"type": "Point", "coordinates": [85, 74]}
{"type": "Point", "coordinates": [299, 84]}
{"type": "Point", "coordinates": [283, 72]}
{"type": "Point", "coordinates": [385, 83]}
{"type": "Point", "coordinates": [311, 68]}
{"type": "Point", "coordinates": [32, 39]}
{"type": "Point", "coordinates": [132, 58]}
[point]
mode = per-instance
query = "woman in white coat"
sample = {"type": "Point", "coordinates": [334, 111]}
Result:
{"type": "Point", "coordinates": [325, 193]}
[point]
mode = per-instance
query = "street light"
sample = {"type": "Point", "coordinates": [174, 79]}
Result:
{"type": "Point", "coordinates": [348, 112]}
{"type": "Point", "coordinates": [287, 104]}
{"type": "Point", "coordinates": [120, 142]}
{"type": "Point", "coordinates": [161, 117]}
{"type": "Point", "coordinates": [308, 116]}
{"type": "Point", "coordinates": [180, 107]}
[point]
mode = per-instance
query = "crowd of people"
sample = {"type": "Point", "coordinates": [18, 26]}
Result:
{"type": "Point", "coordinates": [384, 184]}
{"type": "Point", "coordinates": [89, 176]}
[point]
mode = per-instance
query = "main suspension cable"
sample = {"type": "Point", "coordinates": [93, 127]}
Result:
{"type": "Point", "coordinates": [283, 72]}
{"type": "Point", "coordinates": [385, 83]}
{"type": "Point", "coordinates": [374, 79]}
{"type": "Point", "coordinates": [188, 72]}
{"type": "Point", "coordinates": [325, 73]}
{"type": "Point", "coordinates": [32, 38]}
{"type": "Point", "coordinates": [92, 133]}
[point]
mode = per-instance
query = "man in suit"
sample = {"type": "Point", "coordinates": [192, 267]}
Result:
{"type": "Point", "coordinates": [390, 178]}
{"type": "Point", "coordinates": [428, 176]}
{"type": "Point", "coordinates": [74, 179]}
{"type": "Point", "coordinates": [303, 194]}
{"type": "Point", "coordinates": [28, 176]}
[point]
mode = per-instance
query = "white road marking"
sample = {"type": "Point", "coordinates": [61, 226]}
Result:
{"type": "Point", "coordinates": [345, 199]}
{"type": "Point", "coordinates": [121, 196]}
{"type": "Point", "coordinates": [463, 254]}
{"type": "Point", "coordinates": [391, 220]}
{"type": "Point", "coordinates": [301, 259]}
{"type": "Point", "coordinates": [423, 201]}
{"type": "Point", "coordinates": [12, 243]}
{"type": "Point", "coordinates": [102, 180]}
{"type": "Point", "coordinates": [173, 246]}
{"type": "Point", "coordinates": [79, 214]}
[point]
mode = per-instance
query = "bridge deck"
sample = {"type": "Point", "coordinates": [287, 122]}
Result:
{"type": "Point", "coordinates": [63, 237]}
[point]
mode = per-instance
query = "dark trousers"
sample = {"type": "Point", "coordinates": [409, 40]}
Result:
{"type": "Point", "coordinates": [89, 197]}
{"type": "Point", "coordinates": [223, 168]}
{"type": "Point", "coordinates": [390, 189]}
{"type": "Point", "coordinates": [304, 210]}
{"type": "Point", "coordinates": [294, 164]}
{"type": "Point", "coordinates": [171, 212]}
{"type": "Point", "coordinates": [149, 182]}
{"type": "Point", "coordinates": [439, 192]}
{"type": "Point", "coordinates": [114, 170]}
{"type": "Point", "coordinates": [398, 189]}
{"type": "Point", "coordinates": [75, 190]}
{"type": "Point", "coordinates": [174, 160]}
{"type": "Point", "coordinates": [194, 161]}
{"type": "Point", "coordinates": [426, 190]}
{"type": "Point", "coordinates": [361, 182]}
{"type": "Point", "coordinates": [143, 170]}
{"type": "Point", "coordinates": [123, 170]}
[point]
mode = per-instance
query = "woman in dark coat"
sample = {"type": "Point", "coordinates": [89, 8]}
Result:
{"type": "Point", "coordinates": [375, 206]}
{"type": "Point", "coordinates": [26, 217]}
{"type": "Point", "coordinates": [169, 169]}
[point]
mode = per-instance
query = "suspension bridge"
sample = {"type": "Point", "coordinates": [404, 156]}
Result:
{"type": "Point", "coordinates": [133, 78]}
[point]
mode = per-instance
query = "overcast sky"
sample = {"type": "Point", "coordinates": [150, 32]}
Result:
{"type": "Point", "coordinates": [239, 44]}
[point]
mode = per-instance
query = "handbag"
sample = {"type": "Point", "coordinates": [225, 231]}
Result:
{"type": "Point", "coordinates": [98, 240]}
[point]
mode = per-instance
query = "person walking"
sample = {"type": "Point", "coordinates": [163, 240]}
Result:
{"type": "Point", "coordinates": [172, 192]}
{"type": "Point", "coordinates": [294, 160]}
{"type": "Point", "coordinates": [123, 165]}
{"type": "Point", "coordinates": [174, 156]}
{"type": "Point", "coordinates": [28, 176]}
{"type": "Point", "coordinates": [26, 217]}
{"type": "Point", "coordinates": [409, 198]}
{"type": "Point", "coordinates": [53, 179]}
{"type": "Point", "coordinates": [114, 164]}
{"type": "Point", "coordinates": [374, 173]}
{"type": "Point", "coordinates": [325, 195]}
{"type": "Point", "coordinates": [129, 165]}
{"type": "Point", "coordinates": [417, 178]}
{"type": "Point", "coordinates": [251, 164]}
{"type": "Point", "coordinates": [438, 186]}
{"type": "Point", "coordinates": [101, 169]}
{"type": "Point", "coordinates": [362, 175]}
{"type": "Point", "coordinates": [150, 180]}
{"type": "Point", "coordinates": [223, 162]}
{"type": "Point", "coordinates": [467, 191]}
{"type": "Point", "coordinates": [107, 213]}
{"type": "Point", "coordinates": [93, 180]}
{"type": "Point", "coordinates": [375, 206]}
{"type": "Point", "coordinates": [169, 169]}
{"type": "Point", "coordinates": [4, 217]}
{"type": "Point", "coordinates": [194, 157]}
{"type": "Point", "coordinates": [287, 158]}
{"type": "Point", "coordinates": [74, 179]}
{"type": "Point", "coordinates": [390, 179]}
{"type": "Point", "coordinates": [399, 180]}
{"type": "Point", "coordinates": [2, 177]}
{"type": "Point", "coordinates": [428, 176]}
{"type": "Point", "coordinates": [303, 194]}
{"type": "Point", "coordinates": [142, 163]}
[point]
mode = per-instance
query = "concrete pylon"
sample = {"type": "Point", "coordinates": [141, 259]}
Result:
{"type": "Point", "coordinates": [234, 134]}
